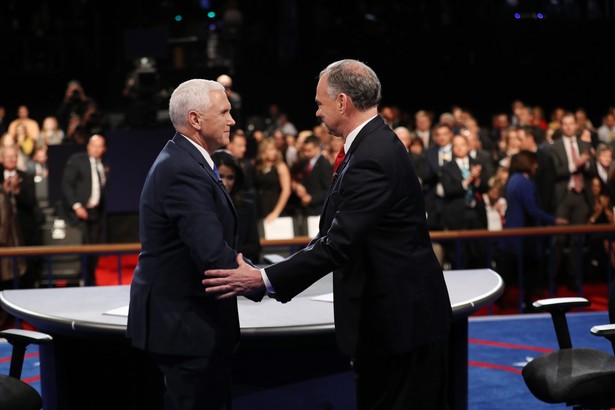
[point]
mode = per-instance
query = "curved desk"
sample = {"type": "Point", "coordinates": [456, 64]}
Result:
{"type": "Point", "coordinates": [89, 323]}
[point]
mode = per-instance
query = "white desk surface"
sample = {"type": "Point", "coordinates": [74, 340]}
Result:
{"type": "Point", "coordinates": [82, 309]}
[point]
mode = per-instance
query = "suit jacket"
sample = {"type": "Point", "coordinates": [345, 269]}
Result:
{"type": "Point", "coordinates": [562, 172]}
{"type": "Point", "coordinates": [545, 180]}
{"type": "Point", "coordinates": [454, 206]}
{"type": "Point", "coordinates": [77, 185]}
{"type": "Point", "coordinates": [187, 224]}
{"type": "Point", "coordinates": [29, 214]}
{"type": "Point", "coordinates": [389, 289]}
{"type": "Point", "coordinates": [317, 184]}
{"type": "Point", "coordinates": [430, 180]}
{"type": "Point", "coordinates": [523, 210]}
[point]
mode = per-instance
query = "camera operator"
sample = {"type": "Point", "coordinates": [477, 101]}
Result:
{"type": "Point", "coordinates": [73, 107]}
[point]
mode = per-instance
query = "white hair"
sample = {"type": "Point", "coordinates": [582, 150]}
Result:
{"type": "Point", "coordinates": [191, 95]}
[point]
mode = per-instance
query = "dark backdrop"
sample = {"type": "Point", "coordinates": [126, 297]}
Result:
{"type": "Point", "coordinates": [480, 54]}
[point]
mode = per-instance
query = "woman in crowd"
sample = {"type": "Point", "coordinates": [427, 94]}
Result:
{"type": "Point", "coordinates": [272, 181]}
{"type": "Point", "coordinates": [522, 211]}
{"type": "Point", "coordinates": [231, 174]}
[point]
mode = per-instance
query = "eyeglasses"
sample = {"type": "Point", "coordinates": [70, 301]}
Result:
{"type": "Point", "coordinates": [227, 177]}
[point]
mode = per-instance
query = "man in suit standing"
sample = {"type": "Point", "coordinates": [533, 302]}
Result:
{"type": "Point", "coordinates": [573, 164]}
{"type": "Point", "coordinates": [465, 180]}
{"type": "Point", "coordinates": [314, 177]}
{"type": "Point", "coordinates": [392, 309]}
{"type": "Point", "coordinates": [20, 188]}
{"type": "Point", "coordinates": [187, 224]}
{"type": "Point", "coordinates": [83, 196]}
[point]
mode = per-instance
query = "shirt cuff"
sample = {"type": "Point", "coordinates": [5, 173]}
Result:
{"type": "Point", "coordinates": [268, 285]}
{"type": "Point", "coordinates": [77, 205]}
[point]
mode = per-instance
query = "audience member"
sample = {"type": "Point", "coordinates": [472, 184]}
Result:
{"type": "Point", "coordinates": [3, 124]}
{"type": "Point", "coordinates": [289, 152]}
{"type": "Point", "coordinates": [523, 210]}
{"type": "Point", "coordinates": [238, 146]}
{"type": "Point", "coordinates": [422, 127]}
{"type": "Point", "coordinates": [556, 118]}
{"type": "Point", "coordinates": [231, 174]}
{"type": "Point", "coordinates": [20, 186]}
{"type": "Point", "coordinates": [476, 149]}
{"type": "Point", "coordinates": [464, 181]}
{"type": "Point", "coordinates": [234, 98]}
{"type": "Point", "coordinates": [23, 117]}
{"type": "Point", "coordinates": [606, 131]}
{"type": "Point", "coordinates": [284, 124]}
{"type": "Point", "coordinates": [37, 167]}
{"type": "Point", "coordinates": [598, 242]}
{"type": "Point", "coordinates": [416, 150]}
{"type": "Point", "coordinates": [84, 183]}
{"type": "Point", "coordinates": [24, 141]}
{"type": "Point", "coordinates": [508, 146]}
{"type": "Point", "coordinates": [604, 162]}
{"type": "Point", "coordinates": [544, 176]}
{"type": "Point", "coordinates": [495, 204]}
{"type": "Point", "coordinates": [51, 133]}
{"type": "Point", "coordinates": [500, 122]}
{"type": "Point", "coordinates": [404, 135]}
{"type": "Point", "coordinates": [10, 235]}
{"type": "Point", "coordinates": [586, 127]}
{"type": "Point", "coordinates": [312, 186]}
{"type": "Point", "coordinates": [73, 107]}
{"type": "Point", "coordinates": [435, 157]}
{"type": "Point", "coordinates": [572, 160]}
{"type": "Point", "coordinates": [271, 180]}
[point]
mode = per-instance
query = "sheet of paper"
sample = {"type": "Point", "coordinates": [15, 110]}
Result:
{"type": "Point", "coordinates": [312, 225]}
{"type": "Point", "coordinates": [121, 311]}
{"type": "Point", "coordinates": [327, 297]}
{"type": "Point", "coordinates": [280, 228]}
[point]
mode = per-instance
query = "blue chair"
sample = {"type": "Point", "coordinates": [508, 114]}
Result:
{"type": "Point", "coordinates": [16, 394]}
{"type": "Point", "coordinates": [578, 377]}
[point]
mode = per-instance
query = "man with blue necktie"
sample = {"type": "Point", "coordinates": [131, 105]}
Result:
{"type": "Point", "coordinates": [187, 224]}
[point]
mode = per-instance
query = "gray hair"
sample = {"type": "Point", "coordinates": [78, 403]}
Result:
{"type": "Point", "coordinates": [191, 95]}
{"type": "Point", "coordinates": [356, 80]}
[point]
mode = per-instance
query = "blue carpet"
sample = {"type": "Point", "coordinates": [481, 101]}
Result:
{"type": "Point", "coordinates": [499, 347]}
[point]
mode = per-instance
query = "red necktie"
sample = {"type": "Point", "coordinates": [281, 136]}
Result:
{"type": "Point", "coordinates": [339, 159]}
{"type": "Point", "coordinates": [576, 177]}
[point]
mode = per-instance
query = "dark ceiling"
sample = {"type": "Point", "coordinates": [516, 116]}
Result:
{"type": "Point", "coordinates": [429, 54]}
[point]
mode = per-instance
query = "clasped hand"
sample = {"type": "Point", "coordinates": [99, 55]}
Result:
{"type": "Point", "coordinates": [244, 280]}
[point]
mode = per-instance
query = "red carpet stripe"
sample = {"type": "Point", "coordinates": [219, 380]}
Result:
{"type": "Point", "coordinates": [27, 356]}
{"type": "Point", "coordinates": [509, 345]}
{"type": "Point", "coordinates": [494, 366]}
{"type": "Point", "coordinates": [32, 379]}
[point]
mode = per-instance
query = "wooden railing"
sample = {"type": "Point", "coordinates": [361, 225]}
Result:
{"type": "Point", "coordinates": [297, 243]}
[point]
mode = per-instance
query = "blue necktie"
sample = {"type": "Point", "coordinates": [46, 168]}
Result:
{"type": "Point", "coordinates": [469, 197]}
{"type": "Point", "coordinates": [216, 171]}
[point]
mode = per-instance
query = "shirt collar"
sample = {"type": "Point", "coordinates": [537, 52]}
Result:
{"type": "Point", "coordinates": [353, 134]}
{"type": "Point", "coordinates": [202, 151]}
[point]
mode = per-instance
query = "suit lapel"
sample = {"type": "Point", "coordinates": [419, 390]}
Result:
{"type": "Point", "coordinates": [181, 141]}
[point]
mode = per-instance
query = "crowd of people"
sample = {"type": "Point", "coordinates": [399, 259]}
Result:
{"type": "Point", "coordinates": [464, 167]}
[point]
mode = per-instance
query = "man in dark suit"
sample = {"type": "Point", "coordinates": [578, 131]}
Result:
{"type": "Point", "coordinates": [83, 196]}
{"type": "Point", "coordinates": [572, 159]}
{"type": "Point", "coordinates": [435, 157]}
{"type": "Point", "coordinates": [544, 177]}
{"type": "Point", "coordinates": [465, 180]}
{"type": "Point", "coordinates": [313, 180]}
{"type": "Point", "coordinates": [187, 224]}
{"type": "Point", "coordinates": [392, 309]}
{"type": "Point", "coordinates": [22, 191]}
